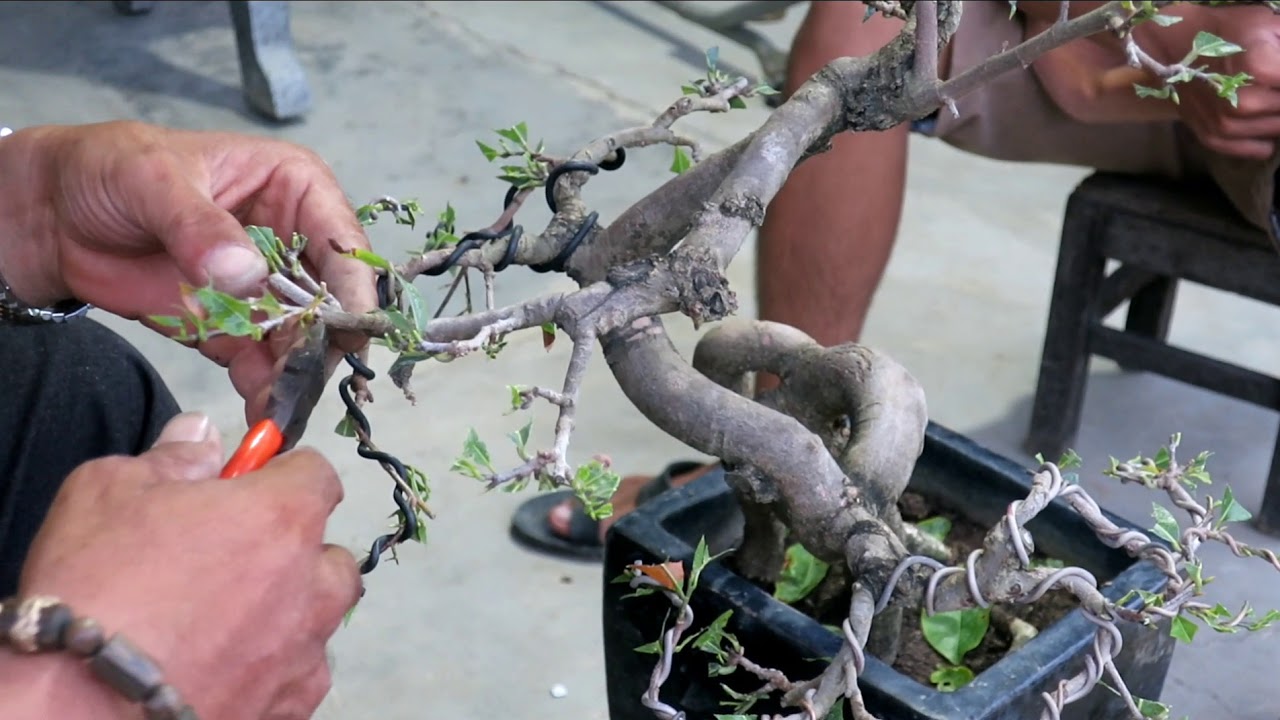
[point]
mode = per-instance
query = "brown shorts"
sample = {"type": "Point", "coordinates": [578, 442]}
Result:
{"type": "Point", "coordinates": [1013, 118]}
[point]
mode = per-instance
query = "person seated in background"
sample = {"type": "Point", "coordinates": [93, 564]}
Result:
{"type": "Point", "coordinates": [828, 234]}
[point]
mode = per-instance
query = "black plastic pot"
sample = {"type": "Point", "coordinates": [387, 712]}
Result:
{"type": "Point", "coordinates": [953, 471]}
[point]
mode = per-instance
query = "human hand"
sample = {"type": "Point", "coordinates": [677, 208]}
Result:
{"type": "Point", "coordinates": [227, 584]}
{"type": "Point", "coordinates": [1250, 129]}
{"type": "Point", "coordinates": [120, 214]}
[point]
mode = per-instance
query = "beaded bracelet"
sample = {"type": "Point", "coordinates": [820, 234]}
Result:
{"type": "Point", "coordinates": [44, 624]}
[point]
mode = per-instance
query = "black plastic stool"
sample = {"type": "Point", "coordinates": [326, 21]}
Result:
{"type": "Point", "coordinates": [1161, 233]}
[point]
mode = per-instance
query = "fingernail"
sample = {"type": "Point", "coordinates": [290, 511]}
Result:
{"type": "Point", "coordinates": [187, 427]}
{"type": "Point", "coordinates": [236, 269]}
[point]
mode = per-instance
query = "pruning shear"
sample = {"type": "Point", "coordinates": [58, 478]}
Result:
{"type": "Point", "coordinates": [292, 398]}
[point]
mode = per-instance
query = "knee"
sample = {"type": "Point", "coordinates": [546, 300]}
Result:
{"type": "Point", "coordinates": [84, 374]}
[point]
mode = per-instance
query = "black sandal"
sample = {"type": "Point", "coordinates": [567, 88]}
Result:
{"type": "Point", "coordinates": [530, 525]}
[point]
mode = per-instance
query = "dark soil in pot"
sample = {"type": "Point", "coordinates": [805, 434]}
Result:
{"type": "Point", "coordinates": [916, 659]}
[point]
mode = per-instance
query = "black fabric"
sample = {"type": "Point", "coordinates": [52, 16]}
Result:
{"type": "Point", "coordinates": [72, 393]}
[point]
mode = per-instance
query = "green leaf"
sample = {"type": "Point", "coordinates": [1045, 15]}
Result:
{"type": "Point", "coordinates": [521, 439]}
{"type": "Point", "coordinates": [594, 484]}
{"type": "Point", "coordinates": [713, 57]}
{"type": "Point", "coordinates": [737, 103]}
{"type": "Point", "coordinates": [371, 259]}
{"type": "Point", "coordinates": [1207, 44]}
{"type": "Point", "coordinates": [1231, 510]}
{"type": "Point", "coordinates": [836, 712]}
{"type": "Point", "coordinates": [936, 527]}
{"type": "Point", "coordinates": [1151, 708]}
{"type": "Point", "coordinates": [651, 648]}
{"type": "Point", "coordinates": [346, 427]}
{"type": "Point", "coordinates": [688, 89]}
{"type": "Point", "coordinates": [488, 151]}
{"type": "Point", "coordinates": [1163, 93]}
{"type": "Point", "coordinates": [1267, 620]}
{"type": "Point", "coordinates": [417, 306]}
{"type": "Point", "coordinates": [228, 313]}
{"type": "Point", "coordinates": [680, 161]}
{"type": "Point", "coordinates": [474, 449]}
{"type": "Point", "coordinates": [701, 556]}
{"type": "Point", "coordinates": [1183, 629]}
{"type": "Point", "coordinates": [710, 639]}
{"type": "Point", "coordinates": [1166, 527]}
{"type": "Point", "coordinates": [271, 247]}
{"type": "Point", "coordinates": [801, 573]}
{"type": "Point", "coordinates": [1166, 20]}
{"type": "Point", "coordinates": [949, 678]}
{"type": "Point", "coordinates": [765, 90]}
{"type": "Point", "coordinates": [512, 134]}
{"type": "Point", "coordinates": [955, 632]}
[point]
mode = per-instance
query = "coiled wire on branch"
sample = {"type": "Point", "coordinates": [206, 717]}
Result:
{"type": "Point", "coordinates": [408, 519]}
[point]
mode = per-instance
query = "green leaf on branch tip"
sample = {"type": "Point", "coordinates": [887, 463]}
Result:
{"type": "Point", "coordinates": [518, 134]}
{"type": "Point", "coordinates": [801, 573]}
{"type": "Point", "coordinates": [950, 678]}
{"type": "Point", "coordinates": [763, 89]}
{"type": "Point", "coordinates": [713, 637]}
{"type": "Point", "coordinates": [713, 57]}
{"type": "Point", "coordinates": [701, 558]}
{"type": "Point", "coordinates": [935, 527]}
{"type": "Point", "coordinates": [1166, 527]}
{"type": "Point", "coordinates": [1228, 85]}
{"type": "Point", "coordinates": [594, 484]}
{"type": "Point", "coordinates": [1207, 44]}
{"type": "Point", "coordinates": [228, 313]}
{"type": "Point", "coordinates": [737, 103]}
{"type": "Point", "coordinates": [488, 151]}
{"type": "Point", "coordinates": [475, 458]}
{"type": "Point", "coordinates": [1229, 510]}
{"type": "Point", "coordinates": [271, 247]}
{"type": "Point", "coordinates": [680, 160]}
{"type": "Point", "coordinates": [954, 633]}
{"type": "Point", "coordinates": [520, 438]}
{"type": "Point", "coordinates": [1183, 628]}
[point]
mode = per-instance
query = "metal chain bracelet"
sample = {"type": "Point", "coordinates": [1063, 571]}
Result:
{"type": "Point", "coordinates": [41, 624]}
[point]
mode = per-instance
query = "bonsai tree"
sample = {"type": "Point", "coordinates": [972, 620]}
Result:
{"type": "Point", "coordinates": [820, 463]}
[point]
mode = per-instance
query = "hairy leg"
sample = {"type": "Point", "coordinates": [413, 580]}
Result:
{"type": "Point", "coordinates": [829, 233]}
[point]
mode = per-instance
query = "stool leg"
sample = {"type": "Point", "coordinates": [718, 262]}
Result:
{"type": "Point", "coordinates": [1151, 309]}
{"type": "Point", "coordinates": [1267, 519]}
{"type": "Point", "coordinates": [274, 81]}
{"type": "Point", "coordinates": [1064, 362]}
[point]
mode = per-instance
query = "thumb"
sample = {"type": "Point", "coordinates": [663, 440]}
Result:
{"type": "Point", "coordinates": [188, 448]}
{"type": "Point", "coordinates": [207, 243]}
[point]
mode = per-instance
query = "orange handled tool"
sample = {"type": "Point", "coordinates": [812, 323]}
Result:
{"type": "Point", "coordinates": [293, 396]}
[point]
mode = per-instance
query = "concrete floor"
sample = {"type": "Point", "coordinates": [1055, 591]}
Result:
{"type": "Point", "coordinates": [472, 625]}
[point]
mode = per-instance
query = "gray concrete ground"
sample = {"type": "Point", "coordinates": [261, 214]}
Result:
{"type": "Point", "coordinates": [472, 625]}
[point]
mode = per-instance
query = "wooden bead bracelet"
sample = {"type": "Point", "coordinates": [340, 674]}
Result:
{"type": "Point", "coordinates": [41, 624]}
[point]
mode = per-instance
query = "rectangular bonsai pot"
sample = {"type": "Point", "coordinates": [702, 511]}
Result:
{"type": "Point", "coordinates": [953, 471]}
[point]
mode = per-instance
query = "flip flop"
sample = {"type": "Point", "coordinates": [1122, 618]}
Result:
{"type": "Point", "coordinates": [530, 525]}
